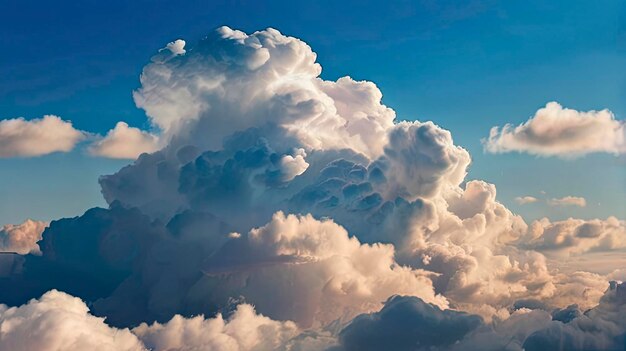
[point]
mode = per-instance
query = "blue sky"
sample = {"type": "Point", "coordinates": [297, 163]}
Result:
{"type": "Point", "coordinates": [467, 67]}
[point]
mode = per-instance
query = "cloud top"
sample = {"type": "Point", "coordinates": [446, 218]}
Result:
{"type": "Point", "coordinates": [523, 200]}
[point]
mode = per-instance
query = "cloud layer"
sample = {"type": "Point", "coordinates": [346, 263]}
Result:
{"type": "Point", "coordinates": [558, 131]}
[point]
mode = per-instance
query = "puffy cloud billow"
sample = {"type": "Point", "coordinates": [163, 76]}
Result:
{"type": "Point", "coordinates": [568, 201]}
{"type": "Point", "coordinates": [36, 137]}
{"type": "Point", "coordinates": [558, 131]}
{"type": "Point", "coordinates": [22, 238]}
{"type": "Point", "coordinates": [125, 142]}
{"type": "Point", "coordinates": [278, 210]}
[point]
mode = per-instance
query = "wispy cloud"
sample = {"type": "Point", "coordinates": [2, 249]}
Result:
{"type": "Point", "coordinates": [523, 200]}
{"type": "Point", "coordinates": [568, 201]}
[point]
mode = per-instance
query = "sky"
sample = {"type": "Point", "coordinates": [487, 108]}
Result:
{"type": "Point", "coordinates": [322, 176]}
{"type": "Point", "coordinates": [466, 66]}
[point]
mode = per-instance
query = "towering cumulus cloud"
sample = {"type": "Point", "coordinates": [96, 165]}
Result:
{"type": "Point", "coordinates": [306, 199]}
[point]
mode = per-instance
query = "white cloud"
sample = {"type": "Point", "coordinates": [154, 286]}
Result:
{"type": "Point", "coordinates": [264, 80]}
{"type": "Point", "coordinates": [177, 47]}
{"type": "Point", "coordinates": [558, 131]}
{"type": "Point", "coordinates": [292, 166]}
{"type": "Point", "coordinates": [333, 276]}
{"type": "Point", "coordinates": [568, 201]}
{"type": "Point", "coordinates": [244, 330]}
{"type": "Point", "coordinates": [523, 200]}
{"type": "Point", "coordinates": [395, 183]}
{"type": "Point", "coordinates": [36, 137]}
{"type": "Point", "coordinates": [575, 236]}
{"type": "Point", "coordinates": [125, 142]}
{"type": "Point", "coordinates": [22, 238]}
{"type": "Point", "coordinates": [59, 322]}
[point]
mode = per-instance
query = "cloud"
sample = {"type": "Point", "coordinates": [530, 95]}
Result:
{"type": "Point", "coordinates": [177, 47]}
{"type": "Point", "coordinates": [523, 200]}
{"type": "Point", "coordinates": [58, 322]}
{"type": "Point", "coordinates": [267, 80]}
{"type": "Point", "coordinates": [332, 275]}
{"type": "Point", "coordinates": [125, 142]}
{"type": "Point", "coordinates": [292, 166]}
{"type": "Point", "coordinates": [407, 323]}
{"type": "Point", "coordinates": [576, 236]}
{"type": "Point", "coordinates": [36, 137]}
{"type": "Point", "coordinates": [558, 131]}
{"type": "Point", "coordinates": [568, 201]}
{"type": "Point", "coordinates": [22, 238]}
{"type": "Point", "coordinates": [243, 330]}
{"type": "Point", "coordinates": [301, 145]}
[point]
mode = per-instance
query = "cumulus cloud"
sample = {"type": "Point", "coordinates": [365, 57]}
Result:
{"type": "Point", "coordinates": [267, 80]}
{"type": "Point", "coordinates": [576, 236]}
{"type": "Point", "coordinates": [124, 142]}
{"type": "Point", "coordinates": [22, 238]}
{"type": "Point", "coordinates": [568, 201]}
{"type": "Point", "coordinates": [523, 200]}
{"type": "Point", "coordinates": [340, 276]}
{"type": "Point", "coordinates": [36, 137]}
{"type": "Point", "coordinates": [244, 330]}
{"type": "Point", "coordinates": [292, 166]}
{"type": "Point", "coordinates": [59, 322]}
{"type": "Point", "coordinates": [406, 323]}
{"type": "Point", "coordinates": [177, 47]}
{"type": "Point", "coordinates": [558, 131]}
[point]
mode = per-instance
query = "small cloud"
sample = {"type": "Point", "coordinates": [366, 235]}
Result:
{"type": "Point", "coordinates": [568, 201]}
{"type": "Point", "coordinates": [177, 47]}
{"type": "Point", "coordinates": [125, 142]}
{"type": "Point", "coordinates": [37, 137]}
{"type": "Point", "coordinates": [523, 200]}
{"type": "Point", "coordinates": [558, 131]}
{"type": "Point", "coordinates": [22, 238]}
